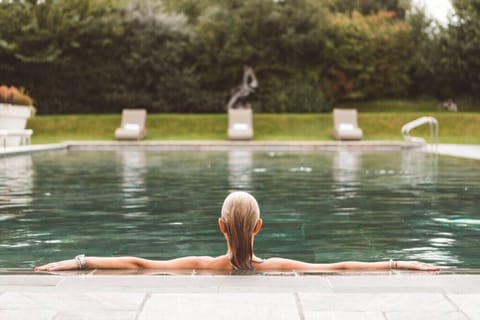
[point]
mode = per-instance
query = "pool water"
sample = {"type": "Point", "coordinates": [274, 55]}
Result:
{"type": "Point", "coordinates": [321, 206]}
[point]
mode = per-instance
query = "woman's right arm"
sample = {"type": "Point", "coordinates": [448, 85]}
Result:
{"type": "Point", "coordinates": [127, 263]}
{"type": "Point", "coordinates": [92, 263]}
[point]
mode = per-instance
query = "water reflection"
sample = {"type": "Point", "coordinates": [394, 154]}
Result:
{"type": "Point", "coordinates": [460, 222]}
{"type": "Point", "coordinates": [240, 170]}
{"type": "Point", "coordinates": [16, 183]}
{"type": "Point", "coordinates": [435, 254]}
{"type": "Point", "coordinates": [345, 173]}
{"type": "Point", "coordinates": [345, 165]}
{"type": "Point", "coordinates": [419, 167]}
{"type": "Point", "coordinates": [133, 182]}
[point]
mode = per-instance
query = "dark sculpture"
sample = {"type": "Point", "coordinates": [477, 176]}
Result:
{"type": "Point", "coordinates": [240, 93]}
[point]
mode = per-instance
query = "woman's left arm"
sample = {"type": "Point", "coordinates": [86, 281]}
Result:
{"type": "Point", "coordinates": [386, 265]}
{"type": "Point", "coordinates": [288, 264]}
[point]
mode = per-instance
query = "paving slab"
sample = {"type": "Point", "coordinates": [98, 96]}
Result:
{"type": "Point", "coordinates": [27, 315]}
{"type": "Point", "coordinates": [220, 306]}
{"type": "Point", "coordinates": [190, 283]}
{"type": "Point", "coordinates": [468, 303]}
{"type": "Point", "coordinates": [68, 305]}
{"type": "Point", "coordinates": [84, 301]}
{"type": "Point", "coordinates": [420, 315]}
{"type": "Point", "coordinates": [431, 302]}
{"type": "Point", "coordinates": [343, 315]}
{"type": "Point", "coordinates": [457, 150]}
{"type": "Point", "coordinates": [30, 280]}
{"type": "Point", "coordinates": [96, 315]}
{"type": "Point", "coordinates": [413, 282]}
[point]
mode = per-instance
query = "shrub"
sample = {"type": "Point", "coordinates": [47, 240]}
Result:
{"type": "Point", "coordinates": [12, 95]}
{"type": "Point", "coordinates": [367, 57]}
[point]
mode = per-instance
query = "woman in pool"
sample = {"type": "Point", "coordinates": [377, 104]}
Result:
{"type": "Point", "coordinates": [240, 222]}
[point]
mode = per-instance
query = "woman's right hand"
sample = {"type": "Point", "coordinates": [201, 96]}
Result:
{"type": "Point", "coordinates": [59, 266]}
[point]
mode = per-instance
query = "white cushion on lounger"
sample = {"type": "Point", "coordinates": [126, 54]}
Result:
{"type": "Point", "coordinates": [131, 126]}
{"type": "Point", "coordinates": [346, 126]}
{"type": "Point", "coordinates": [240, 126]}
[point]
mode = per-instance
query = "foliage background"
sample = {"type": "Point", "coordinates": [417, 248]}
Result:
{"type": "Point", "coordinates": [100, 56]}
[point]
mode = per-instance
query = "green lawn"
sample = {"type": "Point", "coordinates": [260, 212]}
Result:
{"type": "Point", "coordinates": [461, 127]}
{"type": "Point", "coordinates": [412, 105]}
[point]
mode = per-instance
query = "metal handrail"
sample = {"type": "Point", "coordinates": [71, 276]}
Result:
{"type": "Point", "coordinates": [431, 121]}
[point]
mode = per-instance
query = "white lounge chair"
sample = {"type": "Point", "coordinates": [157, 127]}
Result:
{"type": "Point", "coordinates": [133, 125]}
{"type": "Point", "coordinates": [345, 125]}
{"type": "Point", "coordinates": [240, 124]}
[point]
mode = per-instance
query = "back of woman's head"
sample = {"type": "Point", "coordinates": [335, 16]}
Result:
{"type": "Point", "coordinates": [240, 213]}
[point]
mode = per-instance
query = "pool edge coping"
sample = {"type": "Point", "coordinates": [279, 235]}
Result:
{"type": "Point", "coordinates": [451, 150]}
{"type": "Point", "coordinates": [211, 145]}
{"type": "Point", "coordinates": [445, 271]}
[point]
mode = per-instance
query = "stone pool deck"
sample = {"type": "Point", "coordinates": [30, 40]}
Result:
{"type": "Point", "coordinates": [401, 295]}
{"type": "Point", "coordinates": [459, 150]}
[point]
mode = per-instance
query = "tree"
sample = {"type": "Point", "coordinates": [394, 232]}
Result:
{"type": "Point", "coordinates": [366, 7]}
{"type": "Point", "coordinates": [447, 58]}
{"type": "Point", "coordinates": [157, 75]}
{"type": "Point", "coordinates": [281, 40]}
{"type": "Point", "coordinates": [99, 55]}
{"type": "Point", "coordinates": [367, 57]}
{"type": "Point", "coordinates": [463, 45]}
{"type": "Point", "coordinates": [50, 30]}
{"type": "Point", "coordinates": [70, 41]}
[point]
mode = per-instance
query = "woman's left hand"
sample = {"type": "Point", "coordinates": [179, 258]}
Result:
{"type": "Point", "coordinates": [58, 266]}
{"type": "Point", "coordinates": [415, 265]}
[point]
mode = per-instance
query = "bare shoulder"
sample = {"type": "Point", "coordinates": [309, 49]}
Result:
{"type": "Point", "coordinates": [281, 264]}
{"type": "Point", "coordinates": [214, 263]}
{"type": "Point", "coordinates": [191, 262]}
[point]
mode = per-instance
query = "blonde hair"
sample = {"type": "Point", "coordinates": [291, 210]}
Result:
{"type": "Point", "coordinates": [240, 212]}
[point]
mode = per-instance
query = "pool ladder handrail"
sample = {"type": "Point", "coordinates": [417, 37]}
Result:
{"type": "Point", "coordinates": [431, 121]}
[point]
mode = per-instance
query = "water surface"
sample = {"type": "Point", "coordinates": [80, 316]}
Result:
{"type": "Point", "coordinates": [321, 206]}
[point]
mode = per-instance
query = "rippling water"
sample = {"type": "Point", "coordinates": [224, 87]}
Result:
{"type": "Point", "coordinates": [319, 206]}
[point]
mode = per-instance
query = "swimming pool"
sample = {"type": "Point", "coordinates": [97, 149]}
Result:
{"type": "Point", "coordinates": [319, 206]}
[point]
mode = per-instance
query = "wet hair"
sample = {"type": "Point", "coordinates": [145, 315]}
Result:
{"type": "Point", "coordinates": [240, 213]}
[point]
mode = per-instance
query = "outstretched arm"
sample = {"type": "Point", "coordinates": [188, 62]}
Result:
{"type": "Point", "coordinates": [287, 264]}
{"type": "Point", "coordinates": [128, 263]}
{"type": "Point", "coordinates": [387, 265]}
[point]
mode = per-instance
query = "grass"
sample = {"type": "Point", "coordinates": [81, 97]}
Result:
{"type": "Point", "coordinates": [461, 127]}
{"type": "Point", "coordinates": [417, 105]}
